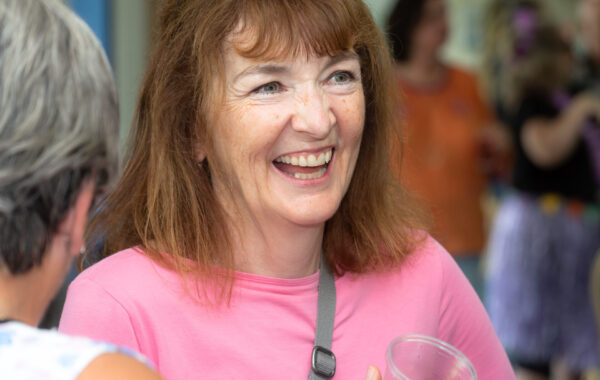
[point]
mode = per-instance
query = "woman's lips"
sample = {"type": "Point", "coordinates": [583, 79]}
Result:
{"type": "Point", "coordinates": [304, 165]}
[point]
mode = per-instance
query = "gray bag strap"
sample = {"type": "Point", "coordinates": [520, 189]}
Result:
{"type": "Point", "coordinates": [323, 360]}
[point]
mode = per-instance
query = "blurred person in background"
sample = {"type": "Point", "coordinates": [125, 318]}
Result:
{"type": "Point", "coordinates": [546, 232]}
{"type": "Point", "coordinates": [587, 77]}
{"type": "Point", "coordinates": [497, 53]}
{"type": "Point", "coordinates": [58, 139]}
{"type": "Point", "coordinates": [452, 140]}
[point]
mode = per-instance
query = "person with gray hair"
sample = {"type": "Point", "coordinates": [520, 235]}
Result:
{"type": "Point", "coordinates": [58, 147]}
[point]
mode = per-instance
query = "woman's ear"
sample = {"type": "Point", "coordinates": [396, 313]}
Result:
{"type": "Point", "coordinates": [73, 224]}
{"type": "Point", "coordinates": [199, 152]}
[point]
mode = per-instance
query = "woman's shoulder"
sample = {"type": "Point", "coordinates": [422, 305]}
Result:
{"type": "Point", "coordinates": [463, 79]}
{"type": "Point", "coordinates": [122, 261]}
{"type": "Point", "coordinates": [425, 263]}
{"type": "Point", "coordinates": [130, 269]}
{"type": "Point", "coordinates": [428, 273]}
{"type": "Point", "coordinates": [46, 353]}
{"type": "Point", "coordinates": [426, 253]}
{"type": "Point", "coordinates": [115, 365]}
{"type": "Point", "coordinates": [462, 74]}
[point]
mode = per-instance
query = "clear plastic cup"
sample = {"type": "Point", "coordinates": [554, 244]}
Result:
{"type": "Point", "coordinates": [420, 357]}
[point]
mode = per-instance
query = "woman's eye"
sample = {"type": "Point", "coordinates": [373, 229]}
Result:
{"type": "Point", "coordinates": [342, 77]}
{"type": "Point", "coordinates": [269, 88]}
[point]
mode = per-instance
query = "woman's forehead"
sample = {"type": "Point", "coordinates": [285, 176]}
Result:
{"type": "Point", "coordinates": [246, 44]}
{"type": "Point", "coordinates": [239, 66]}
{"type": "Point", "coordinates": [259, 41]}
{"type": "Point", "coordinates": [249, 47]}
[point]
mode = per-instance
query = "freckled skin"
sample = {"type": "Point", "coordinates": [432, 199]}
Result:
{"type": "Point", "coordinates": [311, 110]}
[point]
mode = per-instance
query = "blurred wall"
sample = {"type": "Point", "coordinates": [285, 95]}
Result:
{"type": "Point", "coordinates": [131, 43]}
{"type": "Point", "coordinates": [124, 29]}
{"type": "Point", "coordinates": [464, 43]}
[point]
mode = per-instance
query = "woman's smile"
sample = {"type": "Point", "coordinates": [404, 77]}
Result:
{"type": "Point", "coordinates": [304, 166]}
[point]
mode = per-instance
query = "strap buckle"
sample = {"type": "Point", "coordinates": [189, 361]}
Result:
{"type": "Point", "coordinates": [323, 362]}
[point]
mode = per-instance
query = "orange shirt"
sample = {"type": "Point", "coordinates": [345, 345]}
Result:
{"type": "Point", "coordinates": [442, 157]}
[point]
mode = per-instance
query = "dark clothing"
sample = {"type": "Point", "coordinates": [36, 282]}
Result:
{"type": "Point", "coordinates": [573, 178]}
{"type": "Point", "coordinates": [586, 76]}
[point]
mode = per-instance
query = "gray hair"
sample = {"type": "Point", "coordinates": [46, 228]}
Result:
{"type": "Point", "coordinates": [58, 123]}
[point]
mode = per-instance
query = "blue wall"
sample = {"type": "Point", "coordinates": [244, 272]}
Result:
{"type": "Point", "coordinates": [96, 13]}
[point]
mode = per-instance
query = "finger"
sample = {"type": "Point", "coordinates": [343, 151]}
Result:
{"type": "Point", "coordinates": [373, 374]}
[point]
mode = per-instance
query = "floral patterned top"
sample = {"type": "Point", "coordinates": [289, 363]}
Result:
{"type": "Point", "coordinates": [28, 353]}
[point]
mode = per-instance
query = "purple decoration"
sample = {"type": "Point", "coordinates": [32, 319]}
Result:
{"type": "Point", "coordinates": [524, 22]}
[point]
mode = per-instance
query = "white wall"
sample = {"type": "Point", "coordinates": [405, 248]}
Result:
{"type": "Point", "coordinates": [380, 9]}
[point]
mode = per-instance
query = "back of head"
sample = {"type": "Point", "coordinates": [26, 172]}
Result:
{"type": "Point", "coordinates": [58, 125]}
{"type": "Point", "coordinates": [539, 54]}
{"type": "Point", "coordinates": [521, 51]}
{"type": "Point", "coordinates": [401, 25]}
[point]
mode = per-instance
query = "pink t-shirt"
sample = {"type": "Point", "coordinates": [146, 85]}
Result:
{"type": "Point", "coordinates": [267, 331]}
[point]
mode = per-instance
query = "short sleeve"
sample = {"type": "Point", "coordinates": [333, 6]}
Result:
{"type": "Point", "coordinates": [533, 106]}
{"type": "Point", "coordinates": [465, 324]}
{"type": "Point", "coordinates": [92, 312]}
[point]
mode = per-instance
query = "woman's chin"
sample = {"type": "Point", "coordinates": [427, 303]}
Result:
{"type": "Point", "coordinates": [314, 215]}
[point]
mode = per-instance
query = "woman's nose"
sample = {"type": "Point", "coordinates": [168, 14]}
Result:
{"type": "Point", "coordinates": [314, 115]}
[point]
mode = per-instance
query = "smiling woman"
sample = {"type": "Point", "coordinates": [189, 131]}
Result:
{"type": "Point", "coordinates": [259, 147]}
{"type": "Point", "coordinates": [222, 76]}
{"type": "Point", "coordinates": [286, 141]}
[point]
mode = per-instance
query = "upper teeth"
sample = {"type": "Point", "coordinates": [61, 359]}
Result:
{"type": "Point", "coordinates": [310, 160]}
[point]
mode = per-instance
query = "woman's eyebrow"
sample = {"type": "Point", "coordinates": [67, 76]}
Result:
{"type": "Point", "coordinates": [267, 68]}
{"type": "Point", "coordinates": [346, 56]}
{"type": "Point", "coordinates": [273, 68]}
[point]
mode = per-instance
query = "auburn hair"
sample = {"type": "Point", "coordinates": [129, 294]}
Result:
{"type": "Point", "coordinates": [164, 203]}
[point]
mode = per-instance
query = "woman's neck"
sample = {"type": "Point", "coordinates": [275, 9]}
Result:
{"type": "Point", "coordinates": [281, 250]}
{"type": "Point", "coordinates": [422, 72]}
{"type": "Point", "coordinates": [18, 299]}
